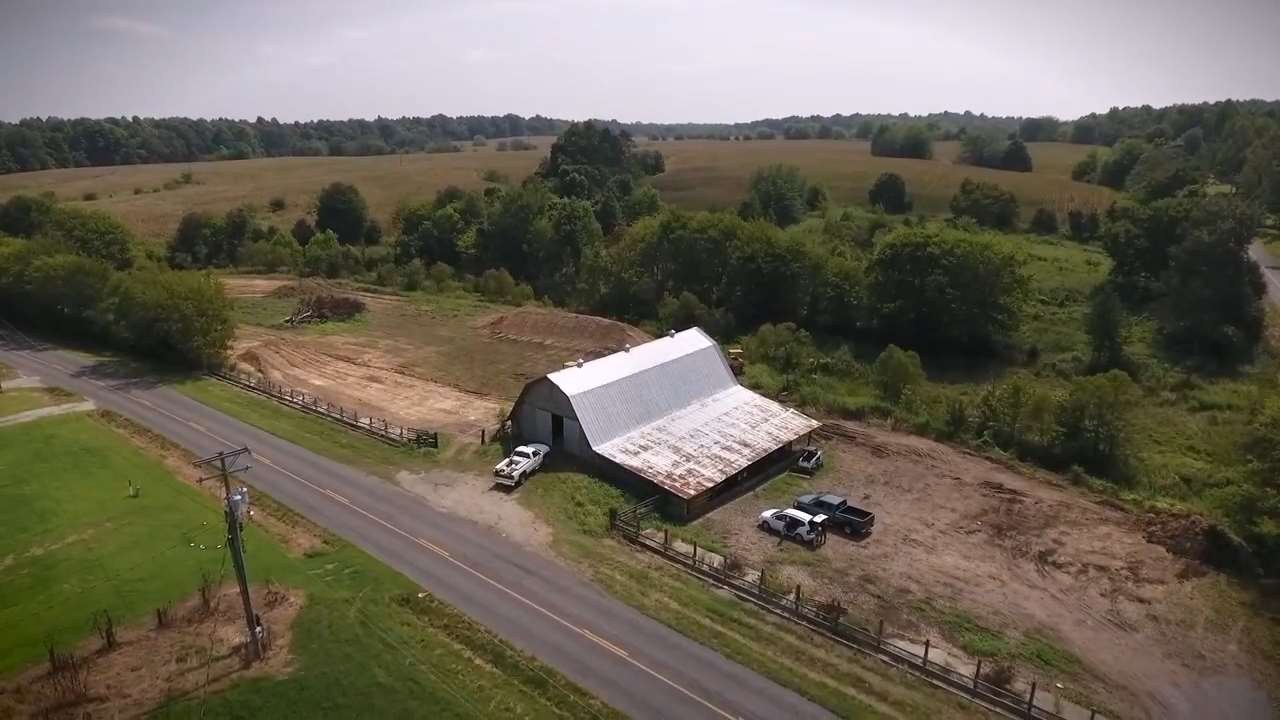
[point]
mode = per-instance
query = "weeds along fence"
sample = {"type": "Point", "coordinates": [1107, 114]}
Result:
{"type": "Point", "coordinates": [826, 618]}
{"type": "Point", "coordinates": [374, 427]}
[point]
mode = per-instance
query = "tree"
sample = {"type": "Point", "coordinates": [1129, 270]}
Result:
{"type": "Point", "coordinates": [1192, 140]}
{"type": "Point", "coordinates": [987, 203]}
{"type": "Point", "coordinates": [341, 208]}
{"type": "Point", "coordinates": [197, 239]}
{"type": "Point", "coordinates": [94, 234]}
{"type": "Point", "coordinates": [1260, 177]}
{"type": "Point", "coordinates": [1160, 173]}
{"type": "Point", "coordinates": [1104, 324]}
{"type": "Point", "coordinates": [1114, 169]}
{"type": "Point", "coordinates": [179, 317]}
{"type": "Point", "coordinates": [1044, 222]}
{"type": "Point", "coordinates": [1086, 169]}
{"type": "Point", "coordinates": [322, 255]}
{"type": "Point", "coordinates": [777, 193]}
{"type": "Point", "coordinates": [944, 288]}
{"type": "Point", "coordinates": [911, 141]}
{"type": "Point", "coordinates": [1039, 129]}
{"type": "Point", "coordinates": [303, 231]}
{"type": "Point", "coordinates": [642, 202]}
{"type": "Point", "coordinates": [815, 198]}
{"type": "Point", "coordinates": [1214, 292]}
{"type": "Point", "coordinates": [896, 373]}
{"type": "Point", "coordinates": [889, 193]}
{"type": "Point", "coordinates": [1092, 423]}
{"type": "Point", "coordinates": [1015, 157]}
{"type": "Point", "coordinates": [26, 215]}
{"type": "Point", "coordinates": [864, 130]}
{"type": "Point", "coordinates": [784, 347]}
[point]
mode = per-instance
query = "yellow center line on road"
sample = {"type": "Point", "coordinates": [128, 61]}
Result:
{"type": "Point", "coordinates": [444, 554]}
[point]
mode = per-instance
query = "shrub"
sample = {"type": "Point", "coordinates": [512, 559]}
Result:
{"type": "Point", "coordinates": [1044, 222]}
{"type": "Point", "coordinates": [441, 275]}
{"type": "Point", "coordinates": [89, 196]}
{"type": "Point", "coordinates": [413, 275]}
{"type": "Point", "coordinates": [138, 191]}
{"type": "Point", "coordinates": [387, 275]}
{"type": "Point", "coordinates": [276, 204]}
{"type": "Point", "coordinates": [496, 285]}
{"type": "Point", "coordinates": [479, 141]}
{"type": "Point", "coordinates": [896, 373]}
{"type": "Point", "coordinates": [987, 203]}
{"type": "Point", "coordinates": [889, 193]}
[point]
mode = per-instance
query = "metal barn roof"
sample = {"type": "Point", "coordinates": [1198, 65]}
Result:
{"type": "Point", "coordinates": [671, 411]}
{"type": "Point", "coordinates": [696, 448]}
{"type": "Point", "coordinates": [618, 393]}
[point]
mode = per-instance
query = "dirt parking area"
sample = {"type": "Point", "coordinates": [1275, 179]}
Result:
{"type": "Point", "coordinates": [1157, 635]}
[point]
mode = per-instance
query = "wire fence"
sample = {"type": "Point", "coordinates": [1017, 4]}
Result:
{"type": "Point", "coordinates": [826, 617]}
{"type": "Point", "coordinates": [374, 427]}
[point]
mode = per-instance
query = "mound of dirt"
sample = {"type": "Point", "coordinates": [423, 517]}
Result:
{"type": "Point", "coordinates": [584, 334]}
{"type": "Point", "coordinates": [200, 649]}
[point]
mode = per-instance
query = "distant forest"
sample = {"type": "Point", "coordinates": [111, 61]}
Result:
{"type": "Point", "coordinates": [44, 143]}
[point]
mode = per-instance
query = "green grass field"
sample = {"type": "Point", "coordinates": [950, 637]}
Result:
{"type": "Point", "coordinates": [16, 400]}
{"type": "Point", "coordinates": [701, 174]}
{"type": "Point", "coordinates": [364, 645]}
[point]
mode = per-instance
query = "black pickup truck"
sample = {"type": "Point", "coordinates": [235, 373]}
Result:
{"type": "Point", "coordinates": [840, 514]}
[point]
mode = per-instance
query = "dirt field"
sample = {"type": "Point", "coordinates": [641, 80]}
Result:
{"type": "Point", "coordinates": [449, 363]}
{"type": "Point", "coordinates": [1159, 636]}
{"type": "Point", "coordinates": [200, 651]}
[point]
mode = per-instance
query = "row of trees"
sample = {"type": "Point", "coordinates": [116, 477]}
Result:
{"type": "Point", "coordinates": [992, 151]}
{"type": "Point", "coordinates": [179, 318]}
{"type": "Point", "coordinates": [43, 143]}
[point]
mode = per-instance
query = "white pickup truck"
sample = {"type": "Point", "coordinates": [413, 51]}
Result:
{"type": "Point", "coordinates": [522, 463]}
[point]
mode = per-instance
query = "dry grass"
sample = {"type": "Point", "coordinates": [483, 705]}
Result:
{"type": "Point", "coordinates": [709, 174]}
{"type": "Point", "coordinates": [219, 186]}
{"type": "Point", "coordinates": [701, 174]}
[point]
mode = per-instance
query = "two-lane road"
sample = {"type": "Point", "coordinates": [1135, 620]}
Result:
{"type": "Point", "coordinates": [635, 664]}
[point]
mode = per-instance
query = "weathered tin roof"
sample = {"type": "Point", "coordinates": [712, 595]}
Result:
{"type": "Point", "coordinates": [619, 393]}
{"type": "Point", "coordinates": [695, 448]}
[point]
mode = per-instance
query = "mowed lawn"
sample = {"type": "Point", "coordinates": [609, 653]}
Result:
{"type": "Point", "coordinates": [701, 174]}
{"type": "Point", "coordinates": [16, 400]}
{"type": "Point", "coordinates": [366, 644]}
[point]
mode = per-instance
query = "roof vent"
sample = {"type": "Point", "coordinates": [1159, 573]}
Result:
{"type": "Point", "coordinates": [671, 333]}
{"type": "Point", "coordinates": [626, 348]}
{"type": "Point", "coordinates": [579, 363]}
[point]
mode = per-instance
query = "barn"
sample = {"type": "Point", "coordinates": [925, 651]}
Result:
{"type": "Point", "coordinates": [667, 416]}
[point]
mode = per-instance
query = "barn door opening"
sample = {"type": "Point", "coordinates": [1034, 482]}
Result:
{"type": "Point", "coordinates": [557, 431]}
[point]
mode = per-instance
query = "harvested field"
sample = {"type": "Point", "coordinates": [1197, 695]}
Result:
{"type": "Point", "coordinates": [592, 336]}
{"type": "Point", "coordinates": [201, 650]}
{"type": "Point", "coordinates": [1158, 635]}
{"type": "Point", "coordinates": [249, 286]}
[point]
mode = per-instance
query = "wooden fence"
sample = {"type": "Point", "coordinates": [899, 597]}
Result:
{"type": "Point", "coordinates": [377, 428]}
{"type": "Point", "coordinates": [827, 618]}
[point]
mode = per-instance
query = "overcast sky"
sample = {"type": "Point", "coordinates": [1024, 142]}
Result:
{"type": "Point", "coordinates": [661, 60]}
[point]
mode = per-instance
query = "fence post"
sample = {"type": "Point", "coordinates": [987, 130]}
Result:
{"type": "Point", "coordinates": [924, 660]}
{"type": "Point", "coordinates": [760, 582]}
{"type": "Point", "coordinates": [666, 537]}
{"type": "Point", "coordinates": [482, 438]}
{"type": "Point", "coordinates": [613, 518]}
{"type": "Point", "coordinates": [797, 598]}
{"type": "Point", "coordinates": [978, 674]}
{"type": "Point", "coordinates": [880, 633]}
{"type": "Point", "coordinates": [1031, 699]}
{"type": "Point", "coordinates": [1093, 713]}
{"type": "Point", "coordinates": [695, 549]}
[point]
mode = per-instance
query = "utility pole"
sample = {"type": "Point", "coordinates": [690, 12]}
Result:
{"type": "Point", "coordinates": [232, 506]}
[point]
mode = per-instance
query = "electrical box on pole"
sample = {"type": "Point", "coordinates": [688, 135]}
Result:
{"type": "Point", "coordinates": [235, 511]}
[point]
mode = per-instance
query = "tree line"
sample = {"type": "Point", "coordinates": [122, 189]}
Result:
{"type": "Point", "coordinates": [44, 143]}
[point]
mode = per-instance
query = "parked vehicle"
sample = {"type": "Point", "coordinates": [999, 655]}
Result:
{"type": "Point", "coordinates": [792, 523]}
{"type": "Point", "coordinates": [810, 461]}
{"type": "Point", "coordinates": [840, 514]}
{"type": "Point", "coordinates": [523, 462]}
